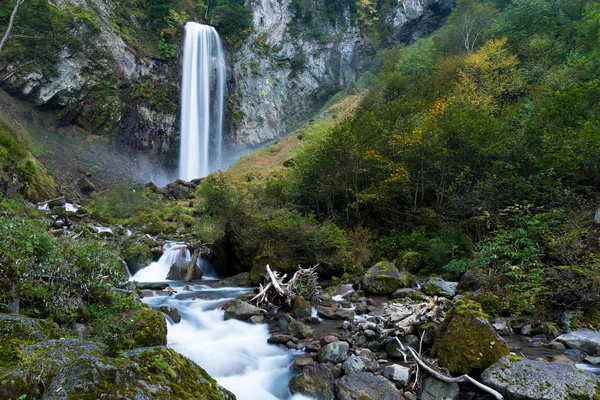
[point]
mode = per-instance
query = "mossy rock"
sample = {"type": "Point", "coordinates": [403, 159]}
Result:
{"type": "Point", "coordinates": [412, 261]}
{"type": "Point", "coordinates": [258, 274]}
{"type": "Point", "coordinates": [384, 278]}
{"type": "Point", "coordinates": [10, 281]}
{"type": "Point", "coordinates": [149, 328]}
{"type": "Point", "coordinates": [137, 256]}
{"type": "Point", "coordinates": [466, 341]}
{"type": "Point", "coordinates": [239, 280]}
{"type": "Point", "coordinates": [77, 369]}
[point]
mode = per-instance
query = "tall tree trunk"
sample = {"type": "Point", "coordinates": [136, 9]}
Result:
{"type": "Point", "coordinates": [10, 23]}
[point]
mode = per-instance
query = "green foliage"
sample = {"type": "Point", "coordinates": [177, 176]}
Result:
{"type": "Point", "coordinates": [119, 203]}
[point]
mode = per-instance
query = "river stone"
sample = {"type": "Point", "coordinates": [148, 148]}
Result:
{"type": "Point", "coordinates": [537, 380]}
{"type": "Point", "coordinates": [281, 339]}
{"type": "Point", "coordinates": [365, 386]}
{"type": "Point", "coordinates": [582, 339]}
{"type": "Point", "coordinates": [466, 340]}
{"type": "Point", "coordinates": [302, 307]}
{"type": "Point", "coordinates": [173, 313]}
{"type": "Point", "coordinates": [179, 270]}
{"type": "Point", "coordinates": [384, 278]}
{"type": "Point", "coordinates": [438, 287]}
{"type": "Point", "coordinates": [355, 364]}
{"type": "Point", "coordinates": [434, 389]}
{"type": "Point", "coordinates": [398, 373]}
{"type": "Point", "coordinates": [299, 330]}
{"type": "Point", "coordinates": [315, 381]}
{"type": "Point", "coordinates": [239, 280]}
{"type": "Point", "coordinates": [335, 313]}
{"type": "Point", "coordinates": [334, 353]}
{"type": "Point", "coordinates": [238, 309]}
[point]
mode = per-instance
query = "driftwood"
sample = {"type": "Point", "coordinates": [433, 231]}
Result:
{"type": "Point", "coordinates": [277, 292]}
{"type": "Point", "coordinates": [192, 266]}
{"type": "Point", "coordinates": [405, 318]}
{"type": "Point", "coordinates": [442, 377]}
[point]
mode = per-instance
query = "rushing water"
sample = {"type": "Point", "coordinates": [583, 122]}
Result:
{"type": "Point", "coordinates": [235, 353]}
{"type": "Point", "coordinates": [202, 95]}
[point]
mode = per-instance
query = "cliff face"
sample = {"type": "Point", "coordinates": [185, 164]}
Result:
{"type": "Point", "coordinates": [285, 69]}
{"type": "Point", "coordinates": [288, 67]}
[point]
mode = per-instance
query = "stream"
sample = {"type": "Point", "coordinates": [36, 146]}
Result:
{"type": "Point", "coordinates": [233, 352]}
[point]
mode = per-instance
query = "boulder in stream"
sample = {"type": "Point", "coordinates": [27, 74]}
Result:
{"type": "Point", "coordinates": [466, 340]}
{"type": "Point", "coordinates": [438, 287]}
{"type": "Point", "coordinates": [240, 310]}
{"type": "Point", "coordinates": [239, 280]}
{"type": "Point", "coordinates": [525, 379]}
{"type": "Point", "coordinates": [434, 389]}
{"type": "Point", "coordinates": [384, 278]}
{"type": "Point", "coordinates": [179, 270]}
{"type": "Point", "coordinates": [364, 385]}
{"type": "Point", "coordinates": [315, 381]}
{"type": "Point", "coordinates": [334, 353]}
{"type": "Point", "coordinates": [582, 339]}
{"type": "Point", "coordinates": [173, 313]}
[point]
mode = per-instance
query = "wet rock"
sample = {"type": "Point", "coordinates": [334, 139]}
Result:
{"type": "Point", "coordinates": [316, 381]}
{"type": "Point", "coordinates": [301, 307]}
{"type": "Point", "coordinates": [366, 353]}
{"type": "Point", "coordinates": [303, 362]}
{"type": "Point", "coordinates": [239, 280]}
{"type": "Point", "coordinates": [354, 364]}
{"type": "Point", "coordinates": [384, 278]}
{"type": "Point", "coordinates": [299, 330]}
{"type": "Point", "coordinates": [537, 380]}
{"type": "Point", "coordinates": [335, 313]}
{"type": "Point", "coordinates": [398, 373]}
{"type": "Point", "coordinates": [361, 308]}
{"type": "Point", "coordinates": [593, 360]}
{"type": "Point", "coordinates": [257, 319]}
{"type": "Point", "coordinates": [334, 353]}
{"type": "Point", "coordinates": [466, 340]}
{"type": "Point", "coordinates": [526, 330]}
{"type": "Point", "coordinates": [281, 339]}
{"type": "Point", "coordinates": [173, 313]}
{"type": "Point", "coordinates": [582, 339]}
{"type": "Point", "coordinates": [365, 385]}
{"type": "Point", "coordinates": [438, 287]}
{"type": "Point", "coordinates": [240, 310]}
{"type": "Point", "coordinates": [179, 270]}
{"type": "Point", "coordinates": [434, 389]}
{"type": "Point", "coordinates": [575, 355]}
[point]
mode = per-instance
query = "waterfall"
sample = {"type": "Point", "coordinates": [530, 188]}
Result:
{"type": "Point", "coordinates": [202, 95]}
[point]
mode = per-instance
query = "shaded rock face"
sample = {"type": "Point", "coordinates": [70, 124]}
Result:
{"type": "Point", "coordinates": [384, 278]}
{"type": "Point", "coordinates": [365, 386]}
{"type": "Point", "coordinates": [283, 72]}
{"type": "Point", "coordinates": [537, 380]}
{"type": "Point", "coordinates": [466, 340]}
{"type": "Point", "coordinates": [315, 381]}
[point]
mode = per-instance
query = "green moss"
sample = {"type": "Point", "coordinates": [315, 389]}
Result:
{"type": "Point", "coordinates": [514, 358]}
{"type": "Point", "coordinates": [465, 340]}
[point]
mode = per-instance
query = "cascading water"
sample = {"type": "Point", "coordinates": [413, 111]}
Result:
{"type": "Point", "coordinates": [202, 95]}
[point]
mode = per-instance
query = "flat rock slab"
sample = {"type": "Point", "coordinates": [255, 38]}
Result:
{"type": "Point", "coordinates": [365, 386]}
{"type": "Point", "coordinates": [536, 380]}
{"type": "Point", "coordinates": [582, 339]}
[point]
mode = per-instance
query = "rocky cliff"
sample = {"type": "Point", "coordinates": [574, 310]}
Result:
{"type": "Point", "coordinates": [98, 74]}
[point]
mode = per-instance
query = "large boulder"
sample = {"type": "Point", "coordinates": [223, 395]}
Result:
{"type": "Point", "coordinates": [438, 287]}
{"type": "Point", "coordinates": [334, 353]}
{"type": "Point", "coordinates": [365, 386]}
{"type": "Point", "coordinates": [239, 280]}
{"type": "Point", "coordinates": [466, 340]}
{"type": "Point", "coordinates": [582, 339]}
{"type": "Point", "coordinates": [525, 379]}
{"type": "Point", "coordinates": [240, 310]}
{"type": "Point", "coordinates": [315, 381]}
{"type": "Point", "coordinates": [384, 278]}
{"type": "Point", "coordinates": [179, 271]}
{"type": "Point", "coordinates": [335, 313]}
{"type": "Point", "coordinates": [71, 368]}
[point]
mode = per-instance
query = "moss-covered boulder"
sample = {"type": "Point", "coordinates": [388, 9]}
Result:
{"type": "Point", "coordinates": [137, 256]}
{"type": "Point", "coordinates": [466, 341]}
{"type": "Point", "coordinates": [77, 369]}
{"type": "Point", "coordinates": [149, 328]}
{"type": "Point", "coordinates": [436, 286]}
{"type": "Point", "coordinates": [239, 280]}
{"type": "Point", "coordinates": [9, 284]}
{"type": "Point", "coordinates": [412, 261]}
{"type": "Point", "coordinates": [384, 278]}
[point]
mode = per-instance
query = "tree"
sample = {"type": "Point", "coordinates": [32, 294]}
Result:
{"type": "Point", "coordinates": [474, 18]}
{"type": "Point", "coordinates": [10, 23]}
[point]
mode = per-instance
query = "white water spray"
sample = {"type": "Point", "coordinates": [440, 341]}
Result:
{"type": "Point", "coordinates": [202, 95]}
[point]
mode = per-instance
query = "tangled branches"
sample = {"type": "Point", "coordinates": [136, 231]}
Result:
{"type": "Point", "coordinates": [276, 292]}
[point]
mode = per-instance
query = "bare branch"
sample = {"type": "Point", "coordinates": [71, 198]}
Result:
{"type": "Point", "coordinates": [10, 23]}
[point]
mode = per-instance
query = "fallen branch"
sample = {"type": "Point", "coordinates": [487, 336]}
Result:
{"type": "Point", "coordinates": [190, 272]}
{"type": "Point", "coordinates": [448, 379]}
{"type": "Point", "coordinates": [304, 283]}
